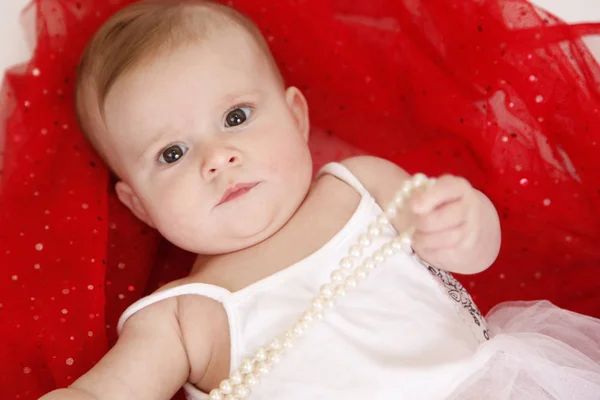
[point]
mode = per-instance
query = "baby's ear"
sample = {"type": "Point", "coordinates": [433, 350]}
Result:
{"type": "Point", "coordinates": [299, 108]}
{"type": "Point", "coordinates": [128, 197]}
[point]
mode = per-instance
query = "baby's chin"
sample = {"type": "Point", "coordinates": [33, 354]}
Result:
{"type": "Point", "coordinates": [226, 245]}
{"type": "Point", "coordinates": [233, 238]}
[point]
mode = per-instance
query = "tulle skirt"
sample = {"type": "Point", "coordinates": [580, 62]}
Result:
{"type": "Point", "coordinates": [537, 352]}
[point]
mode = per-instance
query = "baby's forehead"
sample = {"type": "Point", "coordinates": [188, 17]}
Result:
{"type": "Point", "coordinates": [226, 49]}
{"type": "Point", "coordinates": [229, 42]}
{"type": "Point", "coordinates": [181, 86]}
{"type": "Point", "coordinates": [219, 65]}
{"type": "Point", "coordinates": [222, 63]}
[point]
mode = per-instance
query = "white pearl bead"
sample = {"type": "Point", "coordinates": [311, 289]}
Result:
{"type": "Point", "coordinates": [307, 318]}
{"type": "Point", "coordinates": [397, 243]}
{"type": "Point", "coordinates": [405, 240]}
{"type": "Point", "coordinates": [419, 179]}
{"type": "Point", "coordinates": [275, 344]}
{"type": "Point", "coordinates": [241, 391]}
{"type": "Point", "coordinates": [361, 273]}
{"type": "Point", "coordinates": [382, 220]}
{"type": "Point", "coordinates": [340, 291]}
{"type": "Point", "coordinates": [355, 252]}
{"type": "Point", "coordinates": [337, 276]}
{"type": "Point", "coordinates": [299, 329]}
{"type": "Point", "coordinates": [215, 394]}
{"type": "Point", "coordinates": [388, 250]}
{"type": "Point", "coordinates": [407, 187]}
{"type": "Point", "coordinates": [350, 282]}
{"type": "Point", "coordinates": [226, 386]}
{"type": "Point", "coordinates": [230, 397]}
{"type": "Point", "coordinates": [247, 366]}
{"type": "Point", "coordinates": [260, 355]}
{"type": "Point", "coordinates": [369, 264]}
{"type": "Point", "coordinates": [236, 377]}
{"type": "Point", "coordinates": [318, 303]}
{"type": "Point", "coordinates": [326, 291]}
{"type": "Point", "coordinates": [251, 380]}
{"type": "Point", "coordinates": [319, 314]}
{"type": "Point", "coordinates": [288, 343]}
{"type": "Point", "coordinates": [391, 212]}
{"type": "Point", "coordinates": [364, 240]}
{"type": "Point", "coordinates": [347, 262]}
{"type": "Point", "coordinates": [399, 200]}
{"type": "Point", "coordinates": [275, 357]}
{"type": "Point", "coordinates": [378, 257]}
{"type": "Point", "coordinates": [374, 230]}
{"type": "Point", "coordinates": [262, 368]}
{"type": "Point", "coordinates": [289, 334]}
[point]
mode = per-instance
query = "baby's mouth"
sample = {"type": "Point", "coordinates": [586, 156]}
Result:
{"type": "Point", "coordinates": [235, 191]}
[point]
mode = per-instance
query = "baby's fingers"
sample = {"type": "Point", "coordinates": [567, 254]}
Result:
{"type": "Point", "coordinates": [446, 189]}
{"type": "Point", "coordinates": [429, 242]}
{"type": "Point", "coordinates": [448, 216]}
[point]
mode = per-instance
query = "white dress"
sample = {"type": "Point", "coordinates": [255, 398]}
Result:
{"type": "Point", "coordinates": [409, 331]}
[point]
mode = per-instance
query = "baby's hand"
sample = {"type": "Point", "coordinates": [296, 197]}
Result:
{"type": "Point", "coordinates": [457, 227]}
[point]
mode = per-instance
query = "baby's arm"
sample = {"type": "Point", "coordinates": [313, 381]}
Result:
{"type": "Point", "coordinates": [458, 228]}
{"type": "Point", "coordinates": [148, 362]}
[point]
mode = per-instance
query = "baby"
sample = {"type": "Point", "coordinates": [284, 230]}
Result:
{"type": "Point", "coordinates": [185, 103]}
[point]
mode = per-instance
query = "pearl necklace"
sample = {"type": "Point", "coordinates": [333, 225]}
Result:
{"type": "Point", "coordinates": [350, 273]}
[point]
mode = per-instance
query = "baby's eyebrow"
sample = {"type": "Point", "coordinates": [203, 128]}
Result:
{"type": "Point", "coordinates": [149, 144]}
{"type": "Point", "coordinates": [229, 99]}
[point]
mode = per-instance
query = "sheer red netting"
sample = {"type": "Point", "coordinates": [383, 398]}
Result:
{"type": "Point", "coordinates": [497, 91]}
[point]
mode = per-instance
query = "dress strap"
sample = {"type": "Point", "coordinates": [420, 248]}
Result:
{"type": "Point", "coordinates": [213, 292]}
{"type": "Point", "coordinates": [342, 173]}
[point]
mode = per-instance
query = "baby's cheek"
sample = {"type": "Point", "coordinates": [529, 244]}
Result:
{"type": "Point", "coordinates": [276, 159]}
{"type": "Point", "coordinates": [175, 205]}
{"type": "Point", "coordinates": [180, 223]}
{"type": "Point", "coordinates": [287, 168]}
{"type": "Point", "coordinates": [293, 155]}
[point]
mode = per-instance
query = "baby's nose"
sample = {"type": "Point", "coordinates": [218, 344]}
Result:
{"type": "Point", "coordinates": [218, 160]}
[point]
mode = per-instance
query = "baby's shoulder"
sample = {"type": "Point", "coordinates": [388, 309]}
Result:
{"type": "Point", "coordinates": [183, 299]}
{"type": "Point", "coordinates": [174, 302]}
{"type": "Point", "coordinates": [379, 176]}
{"type": "Point", "coordinates": [369, 169]}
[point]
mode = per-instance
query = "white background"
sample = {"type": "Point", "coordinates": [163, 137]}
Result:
{"type": "Point", "coordinates": [14, 48]}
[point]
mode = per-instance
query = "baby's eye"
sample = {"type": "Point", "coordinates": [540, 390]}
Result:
{"type": "Point", "coordinates": [238, 116]}
{"type": "Point", "coordinates": [172, 154]}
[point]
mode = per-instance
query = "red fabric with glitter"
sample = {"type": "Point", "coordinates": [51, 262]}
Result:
{"type": "Point", "coordinates": [493, 90]}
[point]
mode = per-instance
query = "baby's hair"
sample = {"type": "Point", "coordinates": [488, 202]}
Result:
{"type": "Point", "coordinates": [141, 32]}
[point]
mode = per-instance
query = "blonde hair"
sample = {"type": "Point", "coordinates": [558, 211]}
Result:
{"type": "Point", "coordinates": [142, 31]}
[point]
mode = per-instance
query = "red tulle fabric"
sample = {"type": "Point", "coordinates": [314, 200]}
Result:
{"type": "Point", "coordinates": [496, 91]}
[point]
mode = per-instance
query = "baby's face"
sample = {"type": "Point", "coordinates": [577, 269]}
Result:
{"type": "Point", "coordinates": [212, 150]}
